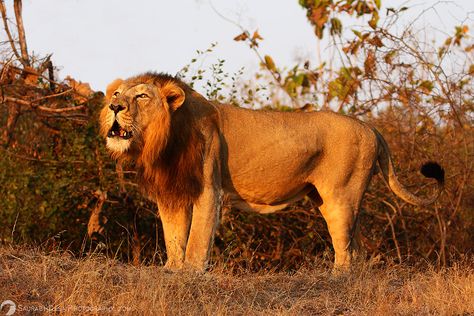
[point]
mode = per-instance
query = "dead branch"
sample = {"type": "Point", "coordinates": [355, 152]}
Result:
{"type": "Point", "coordinates": [53, 95]}
{"type": "Point", "coordinates": [119, 170]}
{"type": "Point", "coordinates": [97, 220]}
{"type": "Point", "coordinates": [7, 29]}
{"type": "Point", "coordinates": [43, 108]}
{"type": "Point", "coordinates": [32, 72]}
{"type": "Point", "coordinates": [61, 110]}
{"type": "Point", "coordinates": [16, 100]}
{"type": "Point", "coordinates": [442, 239]}
{"type": "Point", "coordinates": [52, 85]}
{"type": "Point", "coordinates": [136, 248]}
{"type": "Point", "coordinates": [394, 236]}
{"type": "Point", "coordinates": [21, 32]}
{"type": "Point", "coordinates": [13, 115]}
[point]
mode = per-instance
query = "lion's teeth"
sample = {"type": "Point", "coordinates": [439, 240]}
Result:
{"type": "Point", "coordinates": [124, 134]}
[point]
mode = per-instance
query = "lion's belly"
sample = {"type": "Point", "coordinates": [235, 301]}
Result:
{"type": "Point", "coordinates": [268, 155]}
{"type": "Point", "coordinates": [266, 188]}
{"type": "Point", "coordinates": [266, 193]}
{"type": "Point", "coordinates": [268, 171]}
{"type": "Point", "coordinates": [255, 204]}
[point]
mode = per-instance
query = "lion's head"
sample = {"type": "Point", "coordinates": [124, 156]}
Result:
{"type": "Point", "coordinates": [139, 108]}
{"type": "Point", "coordinates": [145, 119]}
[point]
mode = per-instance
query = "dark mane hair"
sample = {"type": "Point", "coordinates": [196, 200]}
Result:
{"type": "Point", "coordinates": [175, 176]}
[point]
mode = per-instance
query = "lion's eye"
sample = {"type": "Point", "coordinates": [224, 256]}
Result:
{"type": "Point", "coordinates": [142, 96]}
{"type": "Point", "coordinates": [116, 94]}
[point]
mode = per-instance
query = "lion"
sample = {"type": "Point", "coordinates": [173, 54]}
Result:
{"type": "Point", "coordinates": [191, 154]}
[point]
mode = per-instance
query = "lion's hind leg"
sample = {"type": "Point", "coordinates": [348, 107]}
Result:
{"type": "Point", "coordinates": [340, 219]}
{"type": "Point", "coordinates": [340, 208]}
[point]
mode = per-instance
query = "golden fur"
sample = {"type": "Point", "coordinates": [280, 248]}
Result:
{"type": "Point", "coordinates": [169, 162]}
{"type": "Point", "coordinates": [191, 153]}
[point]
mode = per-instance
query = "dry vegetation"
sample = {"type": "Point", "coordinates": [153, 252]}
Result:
{"type": "Point", "coordinates": [55, 175]}
{"type": "Point", "coordinates": [62, 284]}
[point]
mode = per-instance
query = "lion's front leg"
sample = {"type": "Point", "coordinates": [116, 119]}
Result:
{"type": "Point", "coordinates": [176, 224]}
{"type": "Point", "coordinates": [206, 210]}
{"type": "Point", "coordinates": [206, 213]}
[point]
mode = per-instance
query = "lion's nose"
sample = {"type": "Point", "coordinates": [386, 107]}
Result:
{"type": "Point", "coordinates": [116, 108]}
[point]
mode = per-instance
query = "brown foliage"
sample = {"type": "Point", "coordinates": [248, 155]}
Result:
{"type": "Point", "coordinates": [423, 109]}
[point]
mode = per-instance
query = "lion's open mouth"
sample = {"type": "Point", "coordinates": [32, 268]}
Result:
{"type": "Point", "coordinates": [117, 131]}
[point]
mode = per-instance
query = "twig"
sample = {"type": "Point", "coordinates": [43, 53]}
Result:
{"type": "Point", "coordinates": [442, 242]}
{"type": "Point", "coordinates": [253, 47]}
{"type": "Point", "coordinates": [43, 108]}
{"type": "Point", "coordinates": [14, 225]}
{"type": "Point", "coordinates": [394, 237]}
{"type": "Point", "coordinates": [445, 90]}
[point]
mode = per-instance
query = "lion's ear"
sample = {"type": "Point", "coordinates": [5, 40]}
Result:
{"type": "Point", "coordinates": [174, 95]}
{"type": "Point", "coordinates": [112, 87]}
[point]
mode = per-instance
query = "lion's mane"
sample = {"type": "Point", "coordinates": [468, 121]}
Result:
{"type": "Point", "coordinates": [169, 154]}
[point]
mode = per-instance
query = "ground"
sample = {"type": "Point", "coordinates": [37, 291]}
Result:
{"type": "Point", "coordinates": [59, 283]}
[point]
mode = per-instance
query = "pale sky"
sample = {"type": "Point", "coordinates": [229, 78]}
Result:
{"type": "Point", "coordinates": [97, 41]}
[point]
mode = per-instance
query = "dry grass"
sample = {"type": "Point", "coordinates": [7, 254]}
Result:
{"type": "Point", "coordinates": [60, 284]}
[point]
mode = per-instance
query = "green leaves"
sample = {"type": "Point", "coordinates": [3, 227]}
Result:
{"type": "Point", "coordinates": [471, 70]}
{"type": "Point", "coordinates": [346, 84]}
{"type": "Point", "coordinates": [374, 20]}
{"type": "Point", "coordinates": [378, 4]}
{"type": "Point", "coordinates": [426, 86]}
{"type": "Point", "coordinates": [270, 64]}
{"type": "Point", "coordinates": [336, 26]}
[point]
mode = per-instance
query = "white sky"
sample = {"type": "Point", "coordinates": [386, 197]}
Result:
{"type": "Point", "coordinates": [97, 41]}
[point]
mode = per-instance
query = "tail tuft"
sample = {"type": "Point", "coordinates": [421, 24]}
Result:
{"type": "Point", "coordinates": [433, 170]}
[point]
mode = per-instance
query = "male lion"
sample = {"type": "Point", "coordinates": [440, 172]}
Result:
{"type": "Point", "coordinates": [191, 153]}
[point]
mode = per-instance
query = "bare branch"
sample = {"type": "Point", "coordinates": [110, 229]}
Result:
{"type": "Point", "coordinates": [272, 72]}
{"type": "Point", "coordinates": [61, 110]}
{"type": "Point", "coordinates": [16, 100]}
{"type": "Point", "coordinates": [21, 32]}
{"type": "Point", "coordinates": [13, 114]}
{"type": "Point", "coordinates": [52, 85]}
{"type": "Point", "coordinates": [44, 108]}
{"type": "Point", "coordinates": [53, 95]}
{"type": "Point", "coordinates": [7, 29]}
{"type": "Point", "coordinates": [30, 71]}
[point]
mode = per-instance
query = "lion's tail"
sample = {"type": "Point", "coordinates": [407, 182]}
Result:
{"type": "Point", "coordinates": [429, 170]}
